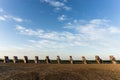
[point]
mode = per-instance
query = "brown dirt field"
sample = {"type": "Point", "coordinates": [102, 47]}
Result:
{"type": "Point", "coordinates": [21, 71]}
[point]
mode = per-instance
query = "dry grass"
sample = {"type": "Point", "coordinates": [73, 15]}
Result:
{"type": "Point", "coordinates": [59, 71]}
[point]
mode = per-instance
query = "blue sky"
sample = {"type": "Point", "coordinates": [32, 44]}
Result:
{"type": "Point", "coordinates": [60, 27]}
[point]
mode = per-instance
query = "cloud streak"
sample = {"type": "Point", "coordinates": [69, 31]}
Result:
{"type": "Point", "coordinates": [12, 18]}
{"type": "Point", "coordinates": [57, 4]}
{"type": "Point", "coordinates": [2, 18]}
{"type": "Point", "coordinates": [6, 17]}
{"type": "Point", "coordinates": [17, 19]}
{"type": "Point", "coordinates": [62, 18]}
{"type": "Point", "coordinates": [96, 34]}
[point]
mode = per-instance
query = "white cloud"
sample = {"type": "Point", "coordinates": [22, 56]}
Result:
{"type": "Point", "coordinates": [57, 4]}
{"type": "Point", "coordinates": [98, 21]}
{"type": "Point", "coordinates": [2, 18]}
{"type": "Point", "coordinates": [114, 30]}
{"type": "Point", "coordinates": [11, 18]}
{"type": "Point", "coordinates": [67, 8]}
{"type": "Point", "coordinates": [62, 18]}
{"type": "Point", "coordinates": [20, 28]}
{"type": "Point", "coordinates": [96, 34]}
{"type": "Point", "coordinates": [6, 17]}
{"type": "Point", "coordinates": [17, 19]}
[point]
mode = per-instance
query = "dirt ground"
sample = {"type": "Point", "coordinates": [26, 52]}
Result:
{"type": "Point", "coordinates": [22, 71]}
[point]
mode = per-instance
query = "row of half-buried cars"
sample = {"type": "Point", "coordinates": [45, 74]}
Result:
{"type": "Point", "coordinates": [47, 60]}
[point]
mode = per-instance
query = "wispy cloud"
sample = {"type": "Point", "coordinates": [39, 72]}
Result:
{"type": "Point", "coordinates": [6, 17]}
{"type": "Point", "coordinates": [96, 33]}
{"type": "Point", "coordinates": [17, 19]}
{"type": "Point", "coordinates": [62, 18]}
{"type": "Point", "coordinates": [57, 4]}
{"type": "Point", "coordinates": [2, 18]}
{"type": "Point", "coordinates": [12, 18]}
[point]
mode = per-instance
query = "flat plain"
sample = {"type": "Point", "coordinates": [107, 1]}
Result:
{"type": "Point", "coordinates": [31, 71]}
